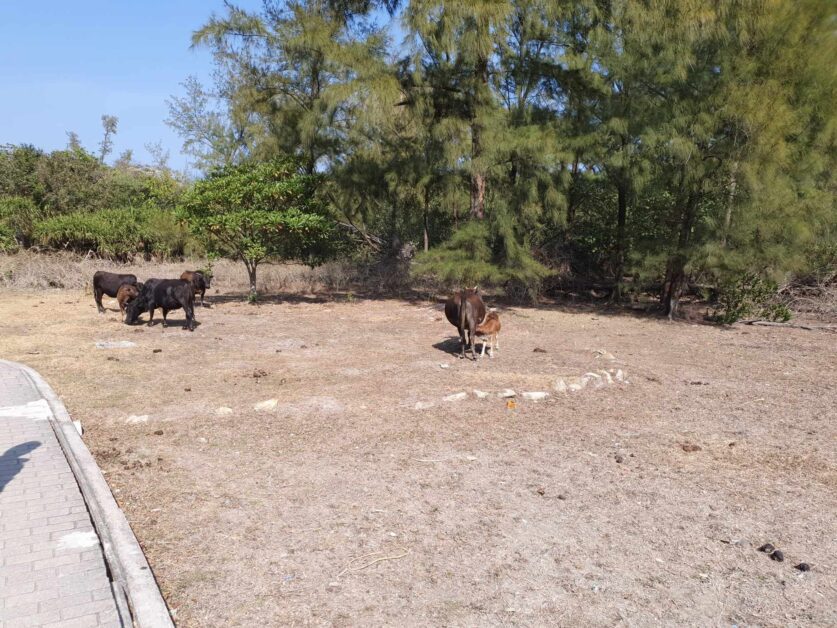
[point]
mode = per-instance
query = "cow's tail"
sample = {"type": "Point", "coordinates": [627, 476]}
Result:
{"type": "Point", "coordinates": [463, 303]}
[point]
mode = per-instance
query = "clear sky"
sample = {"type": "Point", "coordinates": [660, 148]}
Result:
{"type": "Point", "coordinates": [63, 64]}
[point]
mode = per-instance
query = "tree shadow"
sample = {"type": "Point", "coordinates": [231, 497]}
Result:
{"type": "Point", "coordinates": [11, 462]}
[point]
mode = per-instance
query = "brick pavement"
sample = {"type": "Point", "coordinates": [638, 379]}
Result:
{"type": "Point", "coordinates": [52, 569]}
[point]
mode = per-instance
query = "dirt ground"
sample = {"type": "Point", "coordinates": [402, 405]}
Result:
{"type": "Point", "coordinates": [345, 505]}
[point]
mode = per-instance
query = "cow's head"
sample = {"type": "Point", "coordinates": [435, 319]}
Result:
{"type": "Point", "coordinates": [134, 309]}
{"type": "Point", "coordinates": [206, 277]}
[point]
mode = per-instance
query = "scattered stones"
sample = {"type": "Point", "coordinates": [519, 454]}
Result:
{"type": "Point", "coordinates": [606, 377]}
{"type": "Point", "coordinates": [456, 396]}
{"type": "Point", "coordinates": [156, 351]}
{"type": "Point", "coordinates": [134, 419]}
{"type": "Point", "coordinates": [223, 411]}
{"type": "Point", "coordinates": [777, 555]}
{"type": "Point", "coordinates": [803, 567]}
{"type": "Point", "coordinates": [620, 376]}
{"type": "Point", "coordinates": [423, 405]}
{"type": "Point", "coordinates": [118, 344]}
{"type": "Point", "coordinates": [560, 386]}
{"type": "Point", "coordinates": [257, 373]}
{"type": "Point", "coordinates": [535, 396]}
{"type": "Point", "coordinates": [767, 548]}
{"type": "Point", "coordinates": [601, 353]}
{"type": "Point", "coordinates": [444, 366]}
{"type": "Point", "coordinates": [507, 393]}
{"type": "Point", "coordinates": [689, 447]}
{"type": "Point", "coordinates": [539, 350]}
{"type": "Point", "coordinates": [266, 406]}
{"type": "Point", "coordinates": [480, 394]}
{"type": "Point", "coordinates": [594, 378]}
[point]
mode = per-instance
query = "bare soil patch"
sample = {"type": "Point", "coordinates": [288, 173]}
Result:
{"type": "Point", "coordinates": [642, 503]}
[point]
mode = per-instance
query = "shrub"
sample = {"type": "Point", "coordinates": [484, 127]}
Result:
{"type": "Point", "coordinates": [748, 295]}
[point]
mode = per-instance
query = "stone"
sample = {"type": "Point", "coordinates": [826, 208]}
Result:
{"type": "Point", "coordinates": [506, 394]}
{"type": "Point", "coordinates": [118, 344]}
{"type": "Point", "coordinates": [444, 366]}
{"type": "Point", "coordinates": [423, 405]}
{"type": "Point", "coordinates": [223, 411]}
{"type": "Point", "coordinates": [620, 376]}
{"type": "Point", "coordinates": [560, 385]}
{"type": "Point", "coordinates": [134, 419]}
{"type": "Point", "coordinates": [457, 396]}
{"type": "Point", "coordinates": [606, 377]}
{"type": "Point", "coordinates": [535, 396]}
{"type": "Point", "coordinates": [480, 394]}
{"type": "Point", "coordinates": [594, 378]}
{"type": "Point", "coordinates": [266, 406]}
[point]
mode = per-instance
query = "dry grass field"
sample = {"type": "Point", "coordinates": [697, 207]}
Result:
{"type": "Point", "coordinates": [639, 503]}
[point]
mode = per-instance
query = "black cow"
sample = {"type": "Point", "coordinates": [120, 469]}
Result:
{"type": "Point", "coordinates": [108, 283]}
{"type": "Point", "coordinates": [199, 280]}
{"type": "Point", "coordinates": [167, 294]}
{"type": "Point", "coordinates": [465, 311]}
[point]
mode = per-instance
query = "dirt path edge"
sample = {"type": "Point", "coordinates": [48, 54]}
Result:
{"type": "Point", "coordinates": [137, 594]}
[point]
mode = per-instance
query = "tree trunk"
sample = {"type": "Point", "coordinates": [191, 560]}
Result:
{"type": "Point", "coordinates": [572, 196]}
{"type": "Point", "coordinates": [477, 174]}
{"type": "Point", "coordinates": [426, 211]}
{"type": "Point", "coordinates": [251, 276]}
{"type": "Point", "coordinates": [621, 218]}
{"type": "Point", "coordinates": [676, 266]}
{"type": "Point", "coordinates": [733, 183]}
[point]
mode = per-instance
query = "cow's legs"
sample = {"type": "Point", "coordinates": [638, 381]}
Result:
{"type": "Point", "coordinates": [203, 292]}
{"type": "Point", "coordinates": [462, 342]}
{"type": "Point", "coordinates": [97, 295]}
{"type": "Point", "coordinates": [151, 317]}
{"type": "Point", "coordinates": [190, 318]}
{"type": "Point", "coordinates": [482, 353]}
{"type": "Point", "coordinates": [165, 313]}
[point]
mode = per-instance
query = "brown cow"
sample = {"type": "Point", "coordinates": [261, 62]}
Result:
{"type": "Point", "coordinates": [199, 280]}
{"type": "Point", "coordinates": [490, 329]}
{"type": "Point", "coordinates": [127, 292]}
{"type": "Point", "coordinates": [464, 311]}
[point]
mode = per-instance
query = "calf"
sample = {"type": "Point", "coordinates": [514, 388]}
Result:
{"type": "Point", "coordinates": [167, 294]}
{"type": "Point", "coordinates": [108, 283]}
{"type": "Point", "coordinates": [127, 292]}
{"type": "Point", "coordinates": [464, 311]}
{"type": "Point", "coordinates": [199, 280]}
{"type": "Point", "coordinates": [490, 329]}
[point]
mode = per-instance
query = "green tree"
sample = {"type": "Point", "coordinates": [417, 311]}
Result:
{"type": "Point", "coordinates": [260, 212]}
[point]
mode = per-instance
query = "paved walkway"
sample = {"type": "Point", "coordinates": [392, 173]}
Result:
{"type": "Point", "coordinates": [52, 569]}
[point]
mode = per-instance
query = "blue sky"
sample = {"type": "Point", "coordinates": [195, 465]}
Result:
{"type": "Point", "coordinates": [63, 64]}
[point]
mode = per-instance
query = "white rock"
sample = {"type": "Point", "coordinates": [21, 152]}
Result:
{"type": "Point", "coordinates": [606, 376]}
{"type": "Point", "coordinates": [507, 393]}
{"type": "Point", "coordinates": [577, 383]}
{"type": "Point", "coordinates": [423, 405]}
{"type": "Point", "coordinates": [620, 376]}
{"type": "Point", "coordinates": [601, 353]}
{"type": "Point", "coordinates": [480, 394]}
{"type": "Point", "coordinates": [560, 385]}
{"type": "Point", "coordinates": [594, 378]}
{"type": "Point", "coordinates": [535, 396]}
{"type": "Point", "coordinates": [118, 344]}
{"type": "Point", "coordinates": [77, 425]}
{"type": "Point", "coordinates": [134, 419]}
{"type": "Point", "coordinates": [223, 411]}
{"type": "Point", "coordinates": [444, 366]}
{"type": "Point", "coordinates": [266, 406]}
{"type": "Point", "coordinates": [457, 396]}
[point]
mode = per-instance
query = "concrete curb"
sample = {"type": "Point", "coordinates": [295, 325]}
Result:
{"type": "Point", "coordinates": [137, 595]}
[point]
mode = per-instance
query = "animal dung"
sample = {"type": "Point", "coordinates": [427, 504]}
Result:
{"type": "Point", "coordinates": [689, 447]}
{"type": "Point", "coordinates": [157, 351]}
{"type": "Point", "coordinates": [777, 555]}
{"type": "Point", "coordinates": [803, 567]}
{"type": "Point", "coordinates": [539, 350]}
{"type": "Point", "coordinates": [767, 548]}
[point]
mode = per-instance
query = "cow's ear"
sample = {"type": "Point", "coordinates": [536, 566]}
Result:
{"type": "Point", "coordinates": [476, 289]}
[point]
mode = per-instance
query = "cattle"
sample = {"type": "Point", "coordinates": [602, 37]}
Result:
{"type": "Point", "coordinates": [127, 292]}
{"type": "Point", "coordinates": [490, 329]}
{"type": "Point", "coordinates": [108, 283]}
{"type": "Point", "coordinates": [465, 311]}
{"type": "Point", "coordinates": [201, 281]}
{"type": "Point", "coordinates": [168, 295]}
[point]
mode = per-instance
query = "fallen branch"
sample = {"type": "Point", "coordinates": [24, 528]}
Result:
{"type": "Point", "coordinates": [791, 325]}
{"type": "Point", "coordinates": [349, 567]}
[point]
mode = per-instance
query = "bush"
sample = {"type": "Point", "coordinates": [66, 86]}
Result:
{"type": "Point", "coordinates": [116, 233]}
{"type": "Point", "coordinates": [749, 295]}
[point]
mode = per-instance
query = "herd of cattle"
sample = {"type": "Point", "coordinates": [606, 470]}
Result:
{"type": "Point", "coordinates": [464, 310]}
{"type": "Point", "coordinates": [135, 297]}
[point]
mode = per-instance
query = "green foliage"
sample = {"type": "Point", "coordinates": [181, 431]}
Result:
{"type": "Point", "coordinates": [18, 217]}
{"type": "Point", "coordinates": [118, 233]}
{"type": "Point", "coordinates": [748, 295]}
{"type": "Point", "coordinates": [257, 212]}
